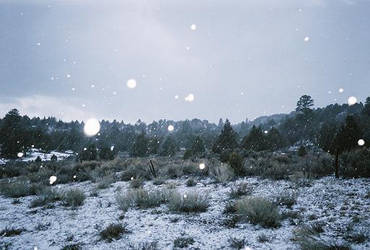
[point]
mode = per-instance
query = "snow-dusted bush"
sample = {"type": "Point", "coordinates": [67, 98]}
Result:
{"type": "Point", "coordinates": [258, 210]}
{"type": "Point", "coordinates": [137, 183]}
{"type": "Point", "coordinates": [356, 163]}
{"type": "Point", "coordinates": [222, 173]}
{"type": "Point", "coordinates": [74, 198]}
{"type": "Point", "coordinates": [188, 203]}
{"type": "Point", "coordinates": [287, 199]}
{"type": "Point", "coordinates": [141, 198]}
{"type": "Point", "coordinates": [19, 189]}
{"type": "Point", "coordinates": [112, 232]}
{"type": "Point", "coordinates": [240, 190]}
{"type": "Point", "coordinates": [46, 196]}
{"type": "Point", "coordinates": [182, 242]}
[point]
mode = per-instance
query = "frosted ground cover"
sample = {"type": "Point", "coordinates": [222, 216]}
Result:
{"type": "Point", "coordinates": [333, 203]}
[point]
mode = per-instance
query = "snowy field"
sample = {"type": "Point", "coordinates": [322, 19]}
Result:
{"type": "Point", "coordinates": [340, 206]}
{"type": "Point", "coordinates": [33, 153]}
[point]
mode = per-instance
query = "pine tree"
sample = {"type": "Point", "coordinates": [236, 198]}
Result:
{"type": "Point", "coordinates": [304, 104]}
{"type": "Point", "coordinates": [366, 109]}
{"type": "Point", "coordinates": [345, 140]}
{"type": "Point", "coordinates": [140, 147]}
{"type": "Point", "coordinates": [255, 140]}
{"type": "Point", "coordinates": [227, 140]}
{"type": "Point", "coordinates": [169, 147]}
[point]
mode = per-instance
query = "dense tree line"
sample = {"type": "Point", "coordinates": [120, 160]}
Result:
{"type": "Point", "coordinates": [335, 128]}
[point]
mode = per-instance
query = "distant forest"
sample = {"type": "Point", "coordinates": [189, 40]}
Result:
{"type": "Point", "coordinates": [334, 128]}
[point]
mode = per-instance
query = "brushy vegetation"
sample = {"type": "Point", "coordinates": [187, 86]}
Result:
{"type": "Point", "coordinates": [182, 242]}
{"type": "Point", "coordinates": [308, 238]}
{"type": "Point", "coordinates": [19, 189]}
{"type": "Point", "coordinates": [240, 190]}
{"type": "Point", "coordinates": [74, 198]}
{"type": "Point", "coordinates": [188, 203]}
{"type": "Point", "coordinates": [258, 210]}
{"type": "Point", "coordinates": [287, 199]}
{"type": "Point", "coordinates": [113, 232]}
{"type": "Point", "coordinates": [222, 173]}
{"type": "Point", "coordinates": [9, 232]}
{"type": "Point", "coordinates": [141, 198]}
{"type": "Point", "coordinates": [45, 197]}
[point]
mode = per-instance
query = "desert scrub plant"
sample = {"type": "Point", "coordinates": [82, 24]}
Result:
{"type": "Point", "coordinates": [236, 243]}
{"type": "Point", "coordinates": [222, 173]}
{"type": "Point", "coordinates": [258, 210]}
{"type": "Point", "coordinates": [182, 242]}
{"type": "Point", "coordinates": [46, 196]}
{"type": "Point", "coordinates": [19, 189]}
{"type": "Point", "coordinates": [188, 203]}
{"type": "Point", "coordinates": [9, 232]}
{"type": "Point", "coordinates": [287, 199]}
{"type": "Point", "coordinates": [142, 198]}
{"type": "Point", "coordinates": [105, 182]}
{"type": "Point", "coordinates": [113, 232]}
{"type": "Point", "coordinates": [159, 181]}
{"type": "Point", "coordinates": [240, 190]}
{"type": "Point", "coordinates": [136, 183]}
{"type": "Point", "coordinates": [76, 246]}
{"type": "Point", "coordinates": [191, 182]}
{"type": "Point", "coordinates": [74, 198]}
{"type": "Point", "coordinates": [308, 238]}
{"type": "Point", "coordinates": [237, 164]}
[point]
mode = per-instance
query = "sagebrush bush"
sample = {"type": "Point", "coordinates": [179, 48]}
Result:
{"type": "Point", "coordinates": [137, 183]}
{"type": "Point", "coordinates": [182, 242]}
{"type": "Point", "coordinates": [46, 196]}
{"type": "Point", "coordinates": [112, 232]}
{"type": "Point", "coordinates": [105, 182]}
{"type": "Point", "coordinates": [142, 198]}
{"type": "Point", "coordinates": [240, 190]}
{"type": "Point", "coordinates": [308, 238]}
{"type": "Point", "coordinates": [19, 189]}
{"type": "Point", "coordinates": [222, 173]}
{"type": "Point", "coordinates": [269, 167]}
{"type": "Point", "coordinates": [258, 210]}
{"type": "Point", "coordinates": [136, 171]}
{"type": "Point", "coordinates": [188, 203]}
{"type": "Point", "coordinates": [287, 199]}
{"type": "Point", "coordinates": [237, 164]}
{"type": "Point", "coordinates": [191, 182]}
{"type": "Point", "coordinates": [74, 198]}
{"type": "Point", "coordinates": [9, 232]}
{"type": "Point", "coordinates": [355, 163]}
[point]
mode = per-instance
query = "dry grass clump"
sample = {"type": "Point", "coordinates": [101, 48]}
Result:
{"type": "Point", "coordinates": [112, 232]}
{"type": "Point", "coordinates": [222, 173]}
{"type": "Point", "coordinates": [74, 198]}
{"type": "Point", "coordinates": [258, 210]}
{"type": "Point", "coordinates": [19, 189]}
{"type": "Point", "coordinates": [142, 199]}
{"type": "Point", "coordinates": [188, 203]}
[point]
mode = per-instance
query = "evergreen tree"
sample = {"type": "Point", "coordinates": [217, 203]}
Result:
{"type": "Point", "coordinates": [255, 140]}
{"type": "Point", "coordinates": [140, 147]}
{"type": "Point", "coordinates": [366, 109]}
{"type": "Point", "coordinates": [169, 147]}
{"type": "Point", "coordinates": [13, 135]}
{"type": "Point", "coordinates": [274, 139]}
{"type": "Point", "coordinates": [304, 104]}
{"type": "Point", "coordinates": [227, 140]}
{"type": "Point", "coordinates": [345, 140]}
{"type": "Point", "coordinates": [106, 153]}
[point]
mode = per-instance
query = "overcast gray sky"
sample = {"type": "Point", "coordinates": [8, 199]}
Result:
{"type": "Point", "coordinates": [72, 59]}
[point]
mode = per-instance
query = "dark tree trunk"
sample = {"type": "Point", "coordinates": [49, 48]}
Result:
{"type": "Point", "coordinates": [336, 164]}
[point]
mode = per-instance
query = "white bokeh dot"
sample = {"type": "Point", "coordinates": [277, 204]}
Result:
{"type": "Point", "coordinates": [92, 127]}
{"type": "Point", "coordinates": [361, 142]}
{"type": "Point", "coordinates": [352, 100]}
{"type": "Point", "coordinates": [131, 83]}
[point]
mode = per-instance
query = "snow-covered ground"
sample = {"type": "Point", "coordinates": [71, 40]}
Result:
{"type": "Point", "coordinates": [33, 153]}
{"type": "Point", "coordinates": [330, 201]}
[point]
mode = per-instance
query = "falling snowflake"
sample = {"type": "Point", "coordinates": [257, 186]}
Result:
{"type": "Point", "coordinates": [176, 97]}
{"type": "Point", "coordinates": [202, 166]}
{"type": "Point", "coordinates": [189, 98]}
{"type": "Point", "coordinates": [92, 127]}
{"type": "Point", "coordinates": [352, 100]}
{"type": "Point", "coordinates": [52, 179]}
{"type": "Point", "coordinates": [20, 154]}
{"type": "Point", "coordinates": [111, 148]}
{"type": "Point", "coordinates": [341, 90]}
{"type": "Point", "coordinates": [68, 76]}
{"type": "Point", "coordinates": [171, 128]}
{"type": "Point", "coordinates": [307, 39]}
{"type": "Point", "coordinates": [73, 89]}
{"type": "Point", "coordinates": [361, 142]}
{"type": "Point", "coordinates": [131, 83]}
{"type": "Point", "coordinates": [193, 27]}
{"type": "Point", "coordinates": [92, 85]}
